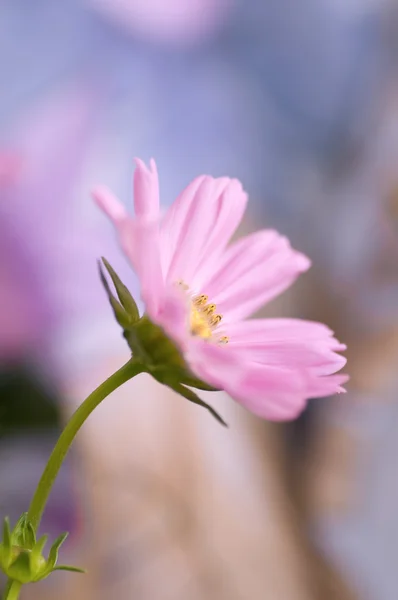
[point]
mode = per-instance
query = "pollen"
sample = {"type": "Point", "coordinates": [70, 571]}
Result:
{"type": "Point", "coordinates": [200, 300]}
{"type": "Point", "coordinates": [203, 319]}
{"type": "Point", "coordinates": [209, 309]}
{"type": "Point", "coordinates": [215, 320]}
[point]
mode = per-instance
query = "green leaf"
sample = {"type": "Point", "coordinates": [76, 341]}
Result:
{"type": "Point", "coordinates": [126, 299]}
{"type": "Point", "coordinates": [192, 397]}
{"type": "Point", "coordinates": [120, 314]}
{"type": "Point", "coordinates": [53, 554]}
{"type": "Point", "coordinates": [69, 568]}
{"type": "Point", "coordinates": [6, 535]}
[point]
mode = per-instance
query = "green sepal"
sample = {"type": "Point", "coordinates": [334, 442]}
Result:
{"type": "Point", "coordinates": [152, 346]}
{"type": "Point", "coordinates": [23, 533]}
{"type": "Point", "coordinates": [190, 380]}
{"type": "Point", "coordinates": [6, 544]}
{"type": "Point", "coordinates": [69, 568]}
{"type": "Point", "coordinates": [126, 299]}
{"type": "Point", "coordinates": [53, 554]}
{"type": "Point", "coordinates": [39, 547]}
{"type": "Point", "coordinates": [192, 397]}
{"type": "Point", "coordinates": [121, 315]}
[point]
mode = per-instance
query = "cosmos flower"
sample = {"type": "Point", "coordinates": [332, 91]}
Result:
{"type": "Point", "coordinates": [200, 290]}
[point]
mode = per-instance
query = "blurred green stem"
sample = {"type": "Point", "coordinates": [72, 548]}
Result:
{"type": "Point", "coordinates": [129, 370]}
{"type": "Point", "coordinates": [12, 590]}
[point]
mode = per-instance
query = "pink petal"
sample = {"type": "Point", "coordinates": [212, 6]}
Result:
{"type": "Point", "coordinates": [173, 316]}
{"type": "Point", "coordinates": [142, 235]}
{"type": "Point", "coordinates": [109, 204]}
{"type": "Point", "coordinates": [214, 363]}
{"type": "Point", "coordinates": [174, 220]}
{"type": "Point", "coordinates": [321, 387]}
{"type": "Point", "coordinates": [199, 225]}
{"type": "Point", "coordinates": [253, 271]}
{"type": "Point", "coordinates": [115, 210]}
{"type": "Point", "coordinates": [139, 239]}
{"type": "Point", "coordinates": [271, 366]}
{"type": "Point", "coordinates": [288, 342]}
{"type": "Point", "coordinates": [146, 189]}
{"type": "Point", "coordinates": [231, 210]}
{"type": "Point", "coordinates": [255, 330]}
{"type": "Point", "coordinates": [10, 167]}
{"type": "Point", "coordinates": [182, 24]}
{"type": "Point", "coordinates": [274, 393]}
{"type": "Point", "coordinates": [270, 392]}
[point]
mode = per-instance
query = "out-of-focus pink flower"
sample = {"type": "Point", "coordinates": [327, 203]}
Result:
{"type": "Point", "coordinates": [173, 21]}
{"type": "Point", "coordinates": [18, 329]}
{"type": "Point", "coordinates": [10, 165]}
{"type": "Point", "coordinates": [47, 250]}
{"type": "Point", "coordinates": [201, 290]}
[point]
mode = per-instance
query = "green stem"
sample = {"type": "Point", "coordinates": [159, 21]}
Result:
{"type": "Point", "coordinates": [62, 446]}
{"type": "Point", "coordinates": [12, 590]}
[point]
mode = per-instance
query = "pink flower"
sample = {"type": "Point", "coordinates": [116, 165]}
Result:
{"type": "Point", "coordinates": [200, 290]}
{"type": "Point", "coordinates": [10, 165]}
{"type": "Point", "coordinates": [175, 22]}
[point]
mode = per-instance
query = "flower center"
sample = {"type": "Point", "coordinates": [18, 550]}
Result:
{"type": "Point", "coordinates": [203, 318]}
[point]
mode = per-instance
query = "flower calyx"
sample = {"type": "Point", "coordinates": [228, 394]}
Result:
{"type": "Point", "coordinates": [151, 347]}
{"type": "Point", "coordinates": [21, 555]}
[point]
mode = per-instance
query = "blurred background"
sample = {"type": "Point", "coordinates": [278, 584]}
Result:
{"type": "Point", "coordinates": [300, 102]}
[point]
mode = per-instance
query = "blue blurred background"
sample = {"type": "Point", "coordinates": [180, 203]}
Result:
{"type": "Point", "coordinates": [300, 102]}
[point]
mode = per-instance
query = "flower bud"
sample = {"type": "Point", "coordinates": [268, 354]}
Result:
{"type": "Point", "coordinates": [21, 557]}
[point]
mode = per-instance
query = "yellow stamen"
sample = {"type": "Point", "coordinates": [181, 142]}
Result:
{"type": "Point", "coordinates": [215, 319]}
{"type": "Point", "coordinates": [203, 319]}
{"type": "Point", "coordinates": [209, 309]}
{"type": "Point", "coordinates": [200, 300]}
{"type": "Point", "coordinates": [200, 325]}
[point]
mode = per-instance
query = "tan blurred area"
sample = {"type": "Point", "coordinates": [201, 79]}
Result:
{"type": "Point", "coordinates": [175, 506]}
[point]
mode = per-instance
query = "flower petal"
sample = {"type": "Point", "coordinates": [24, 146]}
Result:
{"type": "Point", "coordinates": [255, 330]}
{"type": "Point", "coordinates": [274, 393]}
{"type": "Point", "coordinates": [270, 392]}
{"type": "Point", "coordinates": [109, 204]}
{"type": "Point", "coordinates": [142, 235]}
{"type": "Point", "coordinates": [288, 342]}
{"type": "Point", "coordinates": [321, 387]}
{"type": "Point", "coordinates": [139, 239]}
{"type": "Point", "coordinates": [272, 366]}
{"type": "Point", "coordinates": [213, 363]}
{"type": "Point", "coordinates": [173, 316]}
{"type": "Point", "coordinates": [146, 189]}
{"type": "Point", "coordinates": [199, 225]}
{"type": "Point", "coordinates": [116, 211]}
{"type": "Point", "coordinates": [254, 270]}
{"type": "Point", "coordinates": [232, 205]}
{"type": "Point", "coordinates": [173, 221]}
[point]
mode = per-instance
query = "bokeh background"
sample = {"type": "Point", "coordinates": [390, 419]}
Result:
{"type": "Point", "coordinates": [300, 102]}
